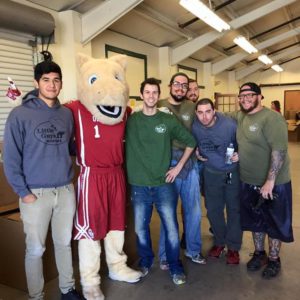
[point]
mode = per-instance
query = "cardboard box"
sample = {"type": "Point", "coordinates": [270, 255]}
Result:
{"type": "Point", "coordinates": [12, 254]}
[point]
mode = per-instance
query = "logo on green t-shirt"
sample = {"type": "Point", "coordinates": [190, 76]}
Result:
{"type": "Point", "coordinates": [185, 117]}
{"type": "Point", "coordinates": [253, 127]}
{"type": "Point", "coordinates": [161, 128]}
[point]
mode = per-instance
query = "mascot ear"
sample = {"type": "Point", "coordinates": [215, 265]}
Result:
{"type": "Point", "coordinates": [82, 59]}
{"type": "Point", "coordinates": [120, 59]}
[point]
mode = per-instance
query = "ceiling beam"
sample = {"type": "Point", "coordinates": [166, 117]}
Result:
{"type": "Point", "coordinates": [278, 38]}
{"type": "Point", "coordinates": [154, 16]}
{"type": "Point", "coordinates": [230, 61]}
{"type": "Point", "coordinates": [259, 12]}
{"type": "Point", "coordinates": [265, 32]}
{"type": "Point", "coordinates": [183, 51]}
{"type": "Point", "coordinates": [255, 67]}
{"type": "Point", "coordinates": [102, 16]}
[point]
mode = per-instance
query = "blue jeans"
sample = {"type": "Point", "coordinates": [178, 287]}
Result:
{"type": "Point", "coordinates": [165, 199]}
{"type": "Point", "coordinates": [189, 191]}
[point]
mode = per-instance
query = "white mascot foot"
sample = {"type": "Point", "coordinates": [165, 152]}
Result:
{"type": "Point", "coordinates": [125, 274]}
{"type": "Point", "coordinates": [92, 293]}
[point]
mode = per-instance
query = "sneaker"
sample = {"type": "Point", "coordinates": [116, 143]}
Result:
{"type": "Point", "coordinates": [71, 295]}
{"type": "Point", "coordinates": [179, 279]}
{"type": "Point", "coordinates": [163, 264]}
{"type": "Point", "coordinates": [144, 270]}
{"type": "Point", "coordinates": [258, 260]}
{"type": "Point", "coordinates": [272, 269]}
{"type": "Point", "coordinates": [216, 251]}
{"type": "Point", "coordinates": [182, 241]}
{"type": "Point", "coordinates": [198, 258]}
{"type": "Point", "coordinates": [233, 257]}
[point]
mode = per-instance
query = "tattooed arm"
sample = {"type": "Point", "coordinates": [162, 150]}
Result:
{"type": "Point", "coordinates": [277, 159]}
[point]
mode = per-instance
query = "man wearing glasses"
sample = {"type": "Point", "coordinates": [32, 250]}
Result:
{"type": "Point", "coordinates": [266, 193]}
{"type": "Point", "coordinates": [187, 181]}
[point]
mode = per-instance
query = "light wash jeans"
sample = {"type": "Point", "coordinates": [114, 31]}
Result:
{"type": "Point", "coordinates": [189, 191]}
{"type": "Point", "coordinates": [165, 200]}
{"type": "Point", "coordinates": [55, 205]}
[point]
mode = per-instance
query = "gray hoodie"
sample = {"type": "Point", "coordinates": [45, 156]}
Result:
{"type": "Point", "coordinates": [37, 142]}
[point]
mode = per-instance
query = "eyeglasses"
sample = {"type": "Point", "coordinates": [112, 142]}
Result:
{"type": "Point", "coordinates": [179, 85]}
{"type": "Point", "coordinates": [247, 96]}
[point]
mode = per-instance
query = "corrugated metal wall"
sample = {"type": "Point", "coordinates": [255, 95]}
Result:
{"type": "Point", "coordinates": [16, 61]}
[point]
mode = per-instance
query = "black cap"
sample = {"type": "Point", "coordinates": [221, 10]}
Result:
{"type": "Point", "coordinates": [251, 86]}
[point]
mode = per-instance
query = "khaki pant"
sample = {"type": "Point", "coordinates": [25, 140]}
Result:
{"type": "Point", "coordinates": [55, 206]}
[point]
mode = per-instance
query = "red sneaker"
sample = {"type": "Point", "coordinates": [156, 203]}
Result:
{"type": "Point", "coordinates": [216, 251]}
{"type": "Point", "coordinates": [233, 257]}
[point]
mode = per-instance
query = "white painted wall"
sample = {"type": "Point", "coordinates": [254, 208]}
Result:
{"type": "Point", "coordinates": [290, 74]}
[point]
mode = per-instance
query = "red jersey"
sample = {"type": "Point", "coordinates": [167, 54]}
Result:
{"type": "Point", "coordinates": [97, 144]}
{"type": "Point", "coordinates": [101, 183]}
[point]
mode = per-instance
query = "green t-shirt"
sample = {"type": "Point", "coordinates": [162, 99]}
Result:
{"type": "Point", "coordinates": [184, 112]}
{"type": "Point", "coordinates": [257, 136]}
{"type": "Point", "coordinates": [148, 146]}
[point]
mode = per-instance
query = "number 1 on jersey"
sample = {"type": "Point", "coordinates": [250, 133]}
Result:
{"type": "Point", "coordinates": [97, 134]}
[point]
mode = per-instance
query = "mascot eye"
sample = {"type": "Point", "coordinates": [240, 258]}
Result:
{"type": "Point", "coordinates": [118, 77]}
{"type": "Point", "coordinates": [92, 79]}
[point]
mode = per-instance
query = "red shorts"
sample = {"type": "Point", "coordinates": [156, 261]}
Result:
{"type": "Point", "coordinates": [101, 202]}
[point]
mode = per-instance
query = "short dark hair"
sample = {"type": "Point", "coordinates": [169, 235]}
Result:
{"type": "Point", "coordinates": [46, 67]}
{"type": "Point", "coordinates": [192, 80]}
{"type": "Point", "coordinates": [205, 101]}
{"type": "Point", "coordinates": [151, 81]}
{"type": "Point", "coordinates": [178, 74]}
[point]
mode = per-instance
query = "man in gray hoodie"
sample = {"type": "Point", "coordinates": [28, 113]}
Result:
{"type": "Point", "coordinates": [37, 141]}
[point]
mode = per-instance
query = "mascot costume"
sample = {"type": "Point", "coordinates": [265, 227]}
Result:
{"type": "Point", "coordinates": [100, 117]}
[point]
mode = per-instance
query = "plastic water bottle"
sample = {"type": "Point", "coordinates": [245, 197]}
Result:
{"type": "Point", "coordinates": [229, 153]}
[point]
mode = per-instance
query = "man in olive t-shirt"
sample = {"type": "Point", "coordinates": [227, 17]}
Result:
{"type": "Point", "coordinates": [266, 193]}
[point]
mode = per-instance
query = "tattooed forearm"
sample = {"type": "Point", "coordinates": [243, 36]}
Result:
{"type": "Point", "coordinates": [277, 158]}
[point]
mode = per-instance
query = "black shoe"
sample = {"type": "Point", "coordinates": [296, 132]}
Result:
{"type": "Point", "coordinates": [258, 260]}
{"type": "Point", "coordinates": [182, 242]}
{"type": "Point", "coordinates": [71, 295]}
{"type": "Point", "coordinates": [272, 269]}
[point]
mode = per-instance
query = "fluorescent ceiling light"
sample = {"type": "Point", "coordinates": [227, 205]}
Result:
{"type": "Point", "coordinates": [265, 59]}
{"type": "Point", "coordinates": [245, 44]}
{"type": "Point", "coordinates": [201, 11]}
{"type": "Point", "coordinates": [277, 68]}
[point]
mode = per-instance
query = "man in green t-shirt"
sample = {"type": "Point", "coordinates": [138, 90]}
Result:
{"type": "Point", "coordinates": [149, 135]}
{"type": "Point", "coordinates": [266, 193]}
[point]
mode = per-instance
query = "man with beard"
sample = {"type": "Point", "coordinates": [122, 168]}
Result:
{"type": "Point", "coordinates": [187, 181]}
{"type": "Point", "coordinates": [266, 193]}
{"type": "Point", "coordinates": [193, 91]}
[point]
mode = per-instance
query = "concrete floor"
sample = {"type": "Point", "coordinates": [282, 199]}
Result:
{"type": "Point", "coordinates": [213, 281]}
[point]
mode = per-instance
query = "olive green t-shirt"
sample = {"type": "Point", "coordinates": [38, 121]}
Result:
{"type": "Point", "coordinates": [148, 146]}
{"type": "Point", "coordinates": [184, 113]}
{"type": "Point", "coordinates": [257, 136]}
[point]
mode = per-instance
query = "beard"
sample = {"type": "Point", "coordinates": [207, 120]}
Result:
{"type": "Point", "coordinates": [255, 104]}
{"type": "Point", "coordinates": [194, 97]}
{"type": "Point", "coordinates": [177, 98]}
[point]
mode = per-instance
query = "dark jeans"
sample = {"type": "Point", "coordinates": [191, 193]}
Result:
{"type": "Point", "coordinates": [218, 196]}
{"type": "Point", "coordinates": [164, 198]}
